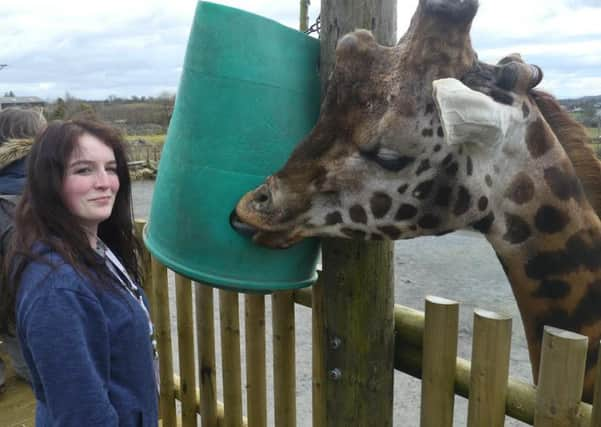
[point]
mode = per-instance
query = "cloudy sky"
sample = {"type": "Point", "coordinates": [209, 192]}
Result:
{"type": "Point", "coordinates": [94, 49]}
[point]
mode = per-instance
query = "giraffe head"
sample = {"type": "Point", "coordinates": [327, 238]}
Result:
{"type": "Point", "coordinates": [400, 142]}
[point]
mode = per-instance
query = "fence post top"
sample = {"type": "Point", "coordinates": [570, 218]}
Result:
{"type": "Point", "coordinates": [491, 315]}
{"type": "Point", "coordinates": [567, 335]}
{"type": "Point", "coordinates": [440, 300]}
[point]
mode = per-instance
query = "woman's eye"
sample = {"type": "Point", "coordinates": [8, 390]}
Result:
{"type": "Point", "coordinates": [112, 169]}
{"type": "Point", "coordinates": [83, 171]}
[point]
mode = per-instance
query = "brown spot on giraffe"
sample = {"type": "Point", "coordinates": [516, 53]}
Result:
{"type": "Point", "coordinates": [537, 139]}
{"type": "Point", "coordinates": [463, 202]}
{"type": "Point", "coordinates": [358, 214]}
{"type": "Point", "coordinates": [563, 185]}
{"type": "Point", "coordinates": [518, 230]}
{"type": "Point", "coordinates": [380, 204]}
{"type": "Point", "coordinates": [390, 231]}
{"type": "Point", "coordinates": [423, 166]}
{"type": "Point", "coordinates": [549, 219]}
{"type": "Point", "coordinates": [521, 189]}
{"type": "Point", "coordinates": [333, 218]}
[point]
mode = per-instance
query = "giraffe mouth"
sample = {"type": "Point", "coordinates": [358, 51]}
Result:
{"type": "Point", "coordinates": [272, 239]}
{"type": "Point", "coordinates": [242, 227]}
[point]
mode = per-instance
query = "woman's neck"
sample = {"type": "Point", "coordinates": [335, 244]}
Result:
{"type": "Point", "coordinates": [92, 235]}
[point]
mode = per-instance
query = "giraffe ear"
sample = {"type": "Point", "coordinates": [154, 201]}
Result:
{"type": "Point", "coordinates": [468, 116]}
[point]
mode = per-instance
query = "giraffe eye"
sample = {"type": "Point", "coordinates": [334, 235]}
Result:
{"type": "Point", "coordinates": [386, 154]}
{"type": "Point", "coordinates": [388, 159]}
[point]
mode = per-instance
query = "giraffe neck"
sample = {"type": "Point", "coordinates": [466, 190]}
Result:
{"type": "Point", "coordinates": [548, 240]}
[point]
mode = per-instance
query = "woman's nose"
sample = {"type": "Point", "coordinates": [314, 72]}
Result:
{"type": "Point", "coordinates": [102, 179]}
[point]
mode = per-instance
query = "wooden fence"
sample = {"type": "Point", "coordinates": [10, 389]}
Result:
{"type": "Point", "coordinates": [149, 153]}
{"type": "Point", "coordinates": [425, 347]}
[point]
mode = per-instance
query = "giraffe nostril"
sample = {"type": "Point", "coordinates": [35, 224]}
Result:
{"type": "Point", "coordinates": [262, 198]}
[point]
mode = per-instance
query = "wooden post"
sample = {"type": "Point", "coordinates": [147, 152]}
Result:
{"type": "Point", "coordinates": [185, 333]}
{"type": "Point", "coordinates": [163, 334]}
{"type": "Point", "coordinates": [230, 356]}
{"type": "Point", "coordinates": [146, 269]}
{"type": "Point", "coordinates": [256, 387]}
{"type": "Point", "coordinates": [358, 285]}
{"type": "Point", "coordinates": [339, 17]}
{"type": "Point", "coordinates": [205, 326]}
{"type": "Point", "coordinates": [439, 359]}
{"type": "Point", "coordinates": [304, 15]}
{"type": "Point", "coordinates": [318, 368]}
{"type": "Point", "coordinates": [560, 380]}
{"type": "Point", "coordinates": [284, 366]}
{"type": "Point", "coordinates": [490, 369]}
{"type": "Point", "coordinates": [596, 416]}
{"type": "Point", "coordinates": [359, 334]}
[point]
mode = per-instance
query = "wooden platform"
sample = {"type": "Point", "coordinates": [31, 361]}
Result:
{"type": "Point", "coordinates": [17, 404]}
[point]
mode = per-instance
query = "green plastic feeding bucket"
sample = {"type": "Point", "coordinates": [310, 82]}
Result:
{"type": "Point", "coordinates": [249, 92]}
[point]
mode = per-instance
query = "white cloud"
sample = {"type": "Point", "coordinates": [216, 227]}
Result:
{"type": "Point", "coordinates": [93, 49]}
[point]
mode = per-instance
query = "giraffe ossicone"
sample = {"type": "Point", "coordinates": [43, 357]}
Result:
{"type": "Point", "coordinates": [423, 139]}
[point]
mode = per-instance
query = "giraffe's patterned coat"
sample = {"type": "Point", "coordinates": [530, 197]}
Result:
{"type": "Point", "coordinates": [402, 148]}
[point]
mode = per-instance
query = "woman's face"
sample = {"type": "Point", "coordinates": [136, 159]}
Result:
{"type": "Point", "coordinates": [91, 182]}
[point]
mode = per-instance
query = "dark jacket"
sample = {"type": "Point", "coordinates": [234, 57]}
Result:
{"type": "Point", "coordinates": [13, 155]}
{"type": "Point", "coordinates": [88, 350]}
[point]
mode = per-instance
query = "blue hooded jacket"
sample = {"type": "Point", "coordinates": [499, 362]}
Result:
{"type": "Point", "coordinates": [88, 350]}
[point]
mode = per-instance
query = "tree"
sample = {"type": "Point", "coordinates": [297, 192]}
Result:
{"type": "Point", "coordinates": [59, 110]}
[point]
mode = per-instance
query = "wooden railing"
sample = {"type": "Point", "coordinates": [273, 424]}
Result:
{"type": "Point", "coordinates": [426, 347]}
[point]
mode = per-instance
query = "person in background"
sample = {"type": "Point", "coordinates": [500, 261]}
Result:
{"type": "Point", "coordinates": [81, 316]}
{"type": "Point", "coordinates": [18, 127]}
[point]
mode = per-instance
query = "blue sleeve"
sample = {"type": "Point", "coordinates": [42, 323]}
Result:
{"type": "Point", "coordinates": [67, 336]}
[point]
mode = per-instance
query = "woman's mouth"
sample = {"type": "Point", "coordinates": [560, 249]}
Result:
{"type": "Point", "coordinates": [103, 199]}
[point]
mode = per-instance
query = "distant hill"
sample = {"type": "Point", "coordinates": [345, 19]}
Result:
{"type": "Point", "coordinates": [583, 101]}
{"type": "Point", "coordinates": [586, 109]}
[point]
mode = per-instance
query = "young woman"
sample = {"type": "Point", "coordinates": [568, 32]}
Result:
{"type": "Point", "coordinates": [81, 316]}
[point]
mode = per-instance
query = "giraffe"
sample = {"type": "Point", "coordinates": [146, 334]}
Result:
{"type": "Point", "coordinates": [423, 139]}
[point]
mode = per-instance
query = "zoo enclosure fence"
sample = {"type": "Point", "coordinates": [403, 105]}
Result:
{"type": "Point", "coordinates": [425, 347]}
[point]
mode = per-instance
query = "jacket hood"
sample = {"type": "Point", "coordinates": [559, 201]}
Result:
{"type": "Point", "coordinates": [14, 149]}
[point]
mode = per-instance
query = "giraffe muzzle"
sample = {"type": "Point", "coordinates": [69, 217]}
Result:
{"type": "Point", "coordinates": [241, 227]}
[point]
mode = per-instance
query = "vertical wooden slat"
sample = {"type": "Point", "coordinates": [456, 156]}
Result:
{"type": "Point", "coordinates": [205, 326]}
{"type": "Point", "coordinates": [284, 367]}
{"type": "Point", "coordinates": [163, 333]}
{"type": "Point", "coordinates": [185, 332]}
{"type": "Point", "coordinates": [596, 415]}
{"type": "Point", "coordinates": [490, 369]}
{"type": "Point", "coordinates": [439, 361]}
{"type": "Point", "coordinates": [256, 388]}
{"type": "Point", "coordinates": [561, 376]}
{"type": "Point", "coordinates": [319, 370]}
{"type": "Point", "coordinates": [230, 354]}
{"type": "Point", "coordinates": [146, 269]}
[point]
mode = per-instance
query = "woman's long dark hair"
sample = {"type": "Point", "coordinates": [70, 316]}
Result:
{"type": "Point", "coordinates": [42, 218]}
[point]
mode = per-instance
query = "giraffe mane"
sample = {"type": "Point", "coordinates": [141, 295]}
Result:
{"type": "Point", "coordinates": [576, 142]}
